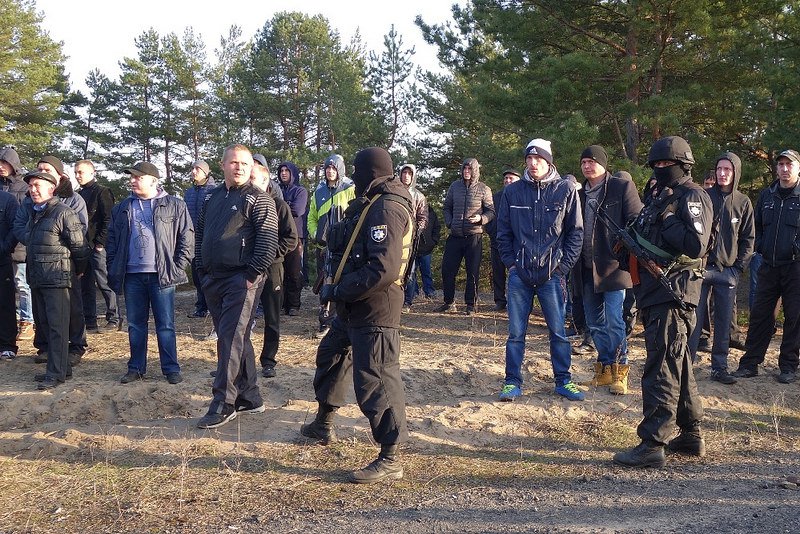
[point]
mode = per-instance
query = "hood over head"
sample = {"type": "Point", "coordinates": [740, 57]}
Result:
{"type": "Point", "coordinates": [337, 161]}
{"type": "Point", "coordinates": [10, 156]}
{"type": "Point", "coordinates": [737, 168]}
{"type": "Point", "coordinates": [294, 172]}
{"type": "Point", "coordinates": [473, 164]}
{"type": "Point", "coordinates": [372, 166]}
{"type": "Point", "coordinates": [413, 170]}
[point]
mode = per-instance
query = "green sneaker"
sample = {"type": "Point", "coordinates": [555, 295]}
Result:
{"type": "Point", "coordinates": [510, 392]}
{"type": "Point", "coordinates": [570, 391]}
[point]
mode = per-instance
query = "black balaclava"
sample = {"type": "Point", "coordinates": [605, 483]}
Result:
{"type": "Point", "coordinates": [370, 165]}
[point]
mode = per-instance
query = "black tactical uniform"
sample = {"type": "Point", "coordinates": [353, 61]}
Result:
{"type": "Point", "coordinates": [369, 300]}
{"type": "Point", "coordinates": [674, 227]}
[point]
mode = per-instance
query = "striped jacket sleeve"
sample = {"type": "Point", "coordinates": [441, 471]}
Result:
{"type": "Point", "coordinates": [264, 218]}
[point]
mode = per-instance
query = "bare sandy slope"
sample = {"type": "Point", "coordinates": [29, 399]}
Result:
{"type": "Point", "coordinates": [453, 367]}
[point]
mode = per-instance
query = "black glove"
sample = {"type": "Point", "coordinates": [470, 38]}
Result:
{"type": "Point", "coordinates": [327, 293]}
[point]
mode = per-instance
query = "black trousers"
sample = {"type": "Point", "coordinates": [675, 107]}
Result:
{"type": "Point", "coordinates": [77, 324]}
{"type": "Point", "coordinates": [669, 391]}
{"type": "Point", "coordinates": [8, 307]}
{"type": "Point", "coordinates": [51, 311]}
{"type": "Point", "coordinates": [775, 283]}
{"type": "Point", "coordinates": [200, 305]}
{"type": "Point", "coordinates": [232, 305]}
{"type": "Point", "coordinates": [293, 277]}
{"type": "Point", "coordinates": [373, 353]}
{"type": "Point", "coordinates": [498, 276]}
{"type": "Point", "coordinates": [271, 302]}
{"type": "Point", "coordinates": [468, 248]}
{"type": "Point", "coordinates": [327, 312]}
{"type": "Point", "coordinates": [96, 277]}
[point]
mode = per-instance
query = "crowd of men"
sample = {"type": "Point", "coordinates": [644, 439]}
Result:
{"type": "Point", "coordinates": [594, 245]}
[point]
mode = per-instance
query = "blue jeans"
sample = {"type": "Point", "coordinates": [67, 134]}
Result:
{"type": "Point", "coordinates": [604, 319]}
{"type": "Point", "coordinates": [141, 294]}
{"type": "Point", "coordinates": [423, 265]}
{"type": "Point", "coordinates": [552, 297]}
{"type": "Point", "coordinates": [25, 303]}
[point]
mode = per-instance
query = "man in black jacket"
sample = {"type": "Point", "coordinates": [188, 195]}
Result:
{"type": "Point", "coordinates": [727, 260]}
{"type": "Point", "coordinates": [236, 240]}
{"type": "Point", "coordinates": [467, 207]}
{"type": "Point", "coordinates": [99, 201]}
{"type": "Point", "coordinates": [498, 267]}
{"type": "Point", "coordinates": [272, 294]}
{"type": "Point", "coordinates": [56, 251]}
{"type": "Point", "coordinates": [369, 297]}
{"type": "Point", "coordinates": [598, 273]}
{"type": "Point", "coordinates": [778, 242]}
{"type": "Point", "coordinates": [674, 227]}
{"type": "Point", "coordinates": [8, 242]}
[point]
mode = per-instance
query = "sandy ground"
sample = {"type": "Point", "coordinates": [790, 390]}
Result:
{"type": "Point", "coordinates": [453, 366]}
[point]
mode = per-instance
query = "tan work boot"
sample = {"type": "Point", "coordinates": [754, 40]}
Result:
{"type": "Point", "coordinates": [619, 371]}
{"type": "Point", "coordinates": [25, 331]}
{"type": "Point", "coordinates": [602, 375]}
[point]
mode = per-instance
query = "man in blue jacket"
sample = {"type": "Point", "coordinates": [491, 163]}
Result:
{"type": "Point", "coordinates": [296, 196]}
{"type": "Point", "coordinates": [202, 184]}
{"type": "Point", "coordinates": [539, 235]}
{"type": "Point", "coordinates": [150, 244]}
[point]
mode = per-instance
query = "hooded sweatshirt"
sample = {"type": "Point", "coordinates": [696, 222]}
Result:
{"type": "Point", "coordinates": [418, 200]}
{"type": "Point", "coordinates": [294, 194]}
{"type": "Point", "coordinates": [15, 185]}
{"type": "Point", "coordinates": [464, 200]}
{"type": "Point", "coordinates": [734, 218]}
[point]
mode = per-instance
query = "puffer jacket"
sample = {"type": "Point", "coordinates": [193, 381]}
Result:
{"type": "Point", "coordinates": [64, 194]}
{"type": "Point", "coordinates": [540, 227]}
{"type": "Point", "coordinates": [15, 185]}
{"type": "Point", "coordinates": [174, 240]}
{"type": "Point", "coordinates": [295, 195]}
{"type": "Point", "coordinates": [736, 230]}
{"type": "Point", "coordinates": [465, 200]}
{"type": "Point", "coordinates": [56, 246]}
{"type": "Point", "coordinates": [328, 203]}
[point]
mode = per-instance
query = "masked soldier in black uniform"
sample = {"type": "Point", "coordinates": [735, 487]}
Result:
{"type": "Point", "coordinates": [369, 252]}
{"type": "Point", "coordinates": [674, 229]}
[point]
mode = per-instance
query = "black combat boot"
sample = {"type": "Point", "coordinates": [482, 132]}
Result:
{"type": "Point", "coordinates": [321, 428]}
{"type": "Point", "coordinates": [689, 442]}
{"type": "Point", "coordinates": [386, 465]}
{"type": "Point", "coordinates": [643, 455]}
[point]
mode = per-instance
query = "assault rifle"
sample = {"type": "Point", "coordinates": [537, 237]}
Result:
{"type": "Point", "coordinates": [638, 253]}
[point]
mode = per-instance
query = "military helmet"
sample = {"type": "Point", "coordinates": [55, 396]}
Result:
{"type": "Point", "coordinates": [671, 148]}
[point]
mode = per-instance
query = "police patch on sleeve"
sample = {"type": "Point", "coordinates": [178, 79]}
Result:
{"type": "Point", "coordinates": [378, 233]}
{"type": "Point", "coordinates": [695, 208]}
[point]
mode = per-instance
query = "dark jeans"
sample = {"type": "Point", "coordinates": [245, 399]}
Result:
{"type": "Point", "coordinates": [468, 248]}
{"type": "Point", "coordinates": [51, 311]}
{"type": "Point", "coordinates": [200, 305]}
{"type": "Point", "coordinates": [96, 277]}
{"type": "Point", "coordinates": [721, 287]}
{"type": "Point", "coordinates": [292, 268]}
{"type": "Point", "coordinates": [142, 294]}
{"type": "Point", "coordinates": [8, 319]}
{"type": "Point", "coordinates": [232, 305]}
{"type": "Point", "coordinates": [669, 391]}
{"type": "Point", "coordinates": [498, 276]}
{"type": "Point", "coordinates": [423, 265]}
{"type": "Point", "coordinates": [775, 283]}
{"type": "Point", "coordinates": [271, 302]}
{"type": "Point", "coordinates": [373, 353]}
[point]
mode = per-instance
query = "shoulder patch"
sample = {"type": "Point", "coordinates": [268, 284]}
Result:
{"type": "Point", "coordinates": [695, 208]}
{"type": "Point", "coordinates": [378, 233]}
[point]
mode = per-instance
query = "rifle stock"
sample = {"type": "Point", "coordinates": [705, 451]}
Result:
{"type": "Point", "coordinates": [643, 258]}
